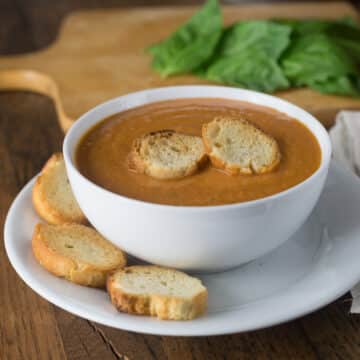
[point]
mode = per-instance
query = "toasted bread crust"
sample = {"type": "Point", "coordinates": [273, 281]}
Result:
{"type": "Point", "coordinates": [138, 163]}
{"type": "Point", "coordinates": [45, 209]}
{"type": "Point", "coordinates": [60, 265]}
{"type": "Point", "coordinates": [161, 306]}
{"type": "Point", "coordinates": [235, 169]}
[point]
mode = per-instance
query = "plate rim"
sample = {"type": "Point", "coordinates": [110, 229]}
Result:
{"type": "Point", "coordinates": [289, 314]}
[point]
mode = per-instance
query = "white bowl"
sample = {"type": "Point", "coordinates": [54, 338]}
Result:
{"type": "Point", "coordinates": [200, 238]}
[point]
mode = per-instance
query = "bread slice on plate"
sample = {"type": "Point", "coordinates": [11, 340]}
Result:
{"type": "Point", "coordinates": [167, 154]}
{"type": "Point", "coordinates": [156, 291]}
{"type": "Point", "coordinates": [52, 196]}
{"type": "Point", "coordinates": [76, 252]}
{"type": "Point", "coordinates": [237, 146]}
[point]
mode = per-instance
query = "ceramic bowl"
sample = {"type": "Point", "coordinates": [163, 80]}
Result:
{"type": "Point", "coordinates": [197, 238]}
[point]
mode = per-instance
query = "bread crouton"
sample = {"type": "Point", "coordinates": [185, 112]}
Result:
{"type": "Point", "coordinates": [237, 146]}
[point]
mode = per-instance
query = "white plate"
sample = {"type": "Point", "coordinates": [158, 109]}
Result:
{"type": "Point", "coordinates": [316, 266]}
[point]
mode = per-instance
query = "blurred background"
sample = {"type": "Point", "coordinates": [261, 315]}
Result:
{"type": "Point", "coordinates": [28, 25]}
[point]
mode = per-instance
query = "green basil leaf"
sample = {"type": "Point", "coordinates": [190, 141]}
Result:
{"type": "Point", "coordinates": [304, 27]}
{"type": "Point", "coordinates": [252, 69]}
{"type": "Point", "coordinates": [342, 85]}
{"type": "Point", "coordinates": [345, 31]}
{"type": "Point", "coordinates": [267, 37]}
{"type": "Point", "coordinates": [247, 56]}
{"type": "Point", "coordinates": [192, 44]}
{"type": "Point", "coordinates": [318, 61]}
{"type": "Point", "coordinates": [347, 36]}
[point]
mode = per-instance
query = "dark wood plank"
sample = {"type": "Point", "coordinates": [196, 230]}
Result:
{"type": "Point", "coordinates": [30, 327]}
{"type": "Point", "coordinates": [28, 135]}
{"type": "Point", "coordinates": [280, 342]}
{"type": "Point", "coordinates": [81, 339]}
{"type": "Point", "coordinates": [333, 332]}
{"type": "Point", "coordinates": [330, 333]}
{"type": "Point", "coordinates": [14, 34]}
{"type": "Point", "coordinates": [52, 13]}
{"type": "Point", "coordinates": [32, 134]}
{"type": "Point", "coordinates": [44, 17]}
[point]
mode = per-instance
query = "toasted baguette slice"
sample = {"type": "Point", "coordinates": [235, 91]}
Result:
{"type": "Point", "coordinates": [237, 146]}
{"type": "Point", "coordinates": [76, 252]}
{"type": "Point", "coordinates": [53, 198]}
{"type": "Point", "coordinates": [166, 154]}
{"type": "Point", "coordinates": [156, 291]}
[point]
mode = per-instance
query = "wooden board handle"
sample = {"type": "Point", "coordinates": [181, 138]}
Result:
{"type": "Point", "coordinates": [29, 80]}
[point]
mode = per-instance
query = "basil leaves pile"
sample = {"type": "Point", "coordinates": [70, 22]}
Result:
{"type": "Point", "coordinates": [264, 55]}
{"type": "Point", "coordinates": [192, 44]}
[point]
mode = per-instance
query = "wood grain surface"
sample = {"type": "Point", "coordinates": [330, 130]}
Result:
{"type": "Point", "coordinates": [99, 54]}
{"type": "Point", "coordinates": [32, 328]}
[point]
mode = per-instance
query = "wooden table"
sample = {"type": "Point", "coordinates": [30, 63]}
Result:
{"type": "Point", "coordinates": [32, 328]}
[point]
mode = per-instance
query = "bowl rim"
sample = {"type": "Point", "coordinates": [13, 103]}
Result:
{"type": "Point", "coordinates": [261, 97]}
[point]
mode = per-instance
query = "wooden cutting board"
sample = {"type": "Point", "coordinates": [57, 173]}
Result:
{"type": "Point", "coordinates": [99, 54]}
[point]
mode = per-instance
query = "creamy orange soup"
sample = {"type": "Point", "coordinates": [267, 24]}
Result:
{"type": "Point", "coordinates": [102, 153]}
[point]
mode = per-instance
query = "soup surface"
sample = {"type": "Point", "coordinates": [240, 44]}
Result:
{"type": "Point", "coordinates": [102, 153]}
